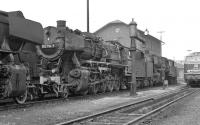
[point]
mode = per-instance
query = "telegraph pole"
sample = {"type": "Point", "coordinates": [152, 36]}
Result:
{"type": "Point", "coordinates": [133, 35]}
{"type": "Point", "coordinates": [161, 32]}
{"type": "Point", "coordinates": [88, 17]}
{"type": "Point", "coordinates": [162, 43]}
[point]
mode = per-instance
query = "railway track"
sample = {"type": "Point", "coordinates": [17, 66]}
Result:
{"type": "Point", "coordinates": [28, 104]}
{"type": "Point", "coordinates": [132, 113]}
{"type": "Point", "coordinates": [11, 105]}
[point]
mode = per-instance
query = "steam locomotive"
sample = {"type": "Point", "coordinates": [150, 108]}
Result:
{"type": "Point", "coordinates": [60, 61]}
{"type": "Point", "coordinates": [74, 62]}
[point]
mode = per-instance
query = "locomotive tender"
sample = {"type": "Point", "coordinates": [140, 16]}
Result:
{"type": "Point", "coordinates": [60, 61]}
{"type": "Point", "coordinates": [14, 34]}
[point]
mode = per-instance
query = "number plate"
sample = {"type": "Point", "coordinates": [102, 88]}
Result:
{"type": "Point", "coordinates": [48, 46]}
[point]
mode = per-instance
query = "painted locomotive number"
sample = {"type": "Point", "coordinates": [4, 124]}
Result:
{"type": "Point", "coordinates": [48, 46]}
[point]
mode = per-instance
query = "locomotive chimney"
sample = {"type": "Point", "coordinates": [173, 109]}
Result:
{"type": "Point", "coordinates": [61, 24]}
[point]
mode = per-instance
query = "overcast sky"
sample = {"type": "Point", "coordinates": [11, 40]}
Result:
{"type": "Point", "coordinates": [180, 19]}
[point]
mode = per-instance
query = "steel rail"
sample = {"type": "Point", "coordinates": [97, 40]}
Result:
{"type": "Point", "coordinates": [28, 104]}
{"type": "Point", "coordinates": [142, 117]}
{"type": "Point", "coordinates": [122, 106]}
{"type": "Point", "coordinates": [11, 105]}
{"type": "Point", "coordinates": [103, 112]}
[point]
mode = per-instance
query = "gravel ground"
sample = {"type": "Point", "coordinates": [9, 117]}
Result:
{"type": "Point", "coordinates": [52, 113]}
{"type": "Point", "coordinates": [185, 112]}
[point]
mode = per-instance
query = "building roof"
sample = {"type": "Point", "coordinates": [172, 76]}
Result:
{"type": "Point", "coordinates": [140, 32]}
{"type": "Point", "coordinates": [116, 21]}
{"type": "Point", "coordinates": [194, 54]}
{"type": "Point", "coordinates": [110, 23]}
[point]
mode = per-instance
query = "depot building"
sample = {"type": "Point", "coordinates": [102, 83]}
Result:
{"type": "Point", "coordinates": [119, 31]}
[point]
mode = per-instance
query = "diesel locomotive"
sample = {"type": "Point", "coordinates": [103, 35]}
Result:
{"type": "Point", "coordinates": [61, 61]}
{"type": "Point", "coordinates": [192, 69]}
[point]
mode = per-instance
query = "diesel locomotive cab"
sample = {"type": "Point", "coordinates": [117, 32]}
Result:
{"type": "Point", "coordinates": [14, 34]}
